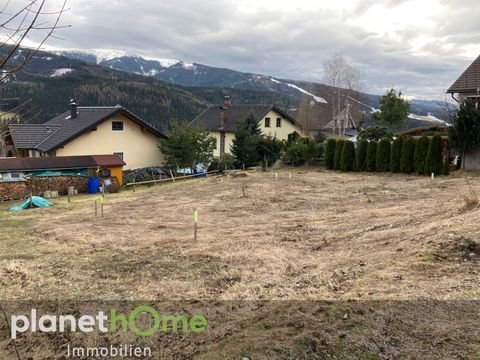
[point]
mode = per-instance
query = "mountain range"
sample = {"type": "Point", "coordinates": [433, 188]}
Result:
{"type": "Point", "coordinates": [161, 90]}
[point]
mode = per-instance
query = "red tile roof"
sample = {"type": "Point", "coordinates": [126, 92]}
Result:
{"type": "Point", "coordinates": [469, 81]}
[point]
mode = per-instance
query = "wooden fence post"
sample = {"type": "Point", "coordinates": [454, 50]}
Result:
{"type": "Point", "coordinates": [195, 224]}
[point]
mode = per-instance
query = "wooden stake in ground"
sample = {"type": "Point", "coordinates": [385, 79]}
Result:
{"type": "Point", "coordinates": [101, 206]}
{"type": "Point", "coordinates": [69, 195]}
{"type": "Point", "coordinates": [171, 175]}
{"type": "Point", "coordinates": [96, 207]}
{"type": "Point", "coordinates": [134, 180]}
{"type": "Point", "coordinates": [195, 224]}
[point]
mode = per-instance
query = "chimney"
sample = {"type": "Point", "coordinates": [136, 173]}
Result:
{"type": "Point", "coordinates": [73, 109]}
{"type": "Point", "coordinates": [227, 101]}
{"type": "Point", "coordinates": [223, 117]}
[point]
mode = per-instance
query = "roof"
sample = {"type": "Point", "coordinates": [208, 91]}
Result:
{"type": "Point", "coordinates": [60, 162]}
{"type": "Point", "coordinates": [424, 129]}
{"type": "Point", "coordinates": [212, 117]}
{"type": "Point", "coordinates": [26, 136]}
{"type": "Point", "coordinates": [469, 81]}
{"type": "Point", "coordinates": [45, 139]}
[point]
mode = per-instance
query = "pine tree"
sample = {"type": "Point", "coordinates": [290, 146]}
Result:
{"type": "Point", "coordinates": [420, 156]}
{"type": "Point", "coordinates": [361, 157]}
{"type": "Point", "coordinates": [348, 156]}
{"type": "Point", "coordinates": [383, 155]}
{"type": "Point", "coordinates": [465, 132]}
{"type": "Point", "coordinates": [371, 155]}
{"type": "Point", "coordinates": [245, 143]}
{"type": "Point", "coordinates": [434, 162]}
{"type": "Point", "coordinates": [330, 153]}
{"type": "Point", "coordinates": [394, 110]}
{"type": "Point", "coordinates": [407, 158]}
{"type": "Point", "coordinates": [396, 155]}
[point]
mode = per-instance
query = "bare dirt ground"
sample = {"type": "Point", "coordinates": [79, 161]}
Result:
{"type": "Point", "coordinates": [307, 236]}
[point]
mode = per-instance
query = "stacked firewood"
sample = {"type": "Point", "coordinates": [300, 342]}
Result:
{"type": "Point", "coordinates": [13, 190]}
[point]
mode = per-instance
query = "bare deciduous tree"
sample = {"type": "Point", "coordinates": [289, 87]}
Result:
{"type": "Point", "coordinates": [345, 80]}
{"type": "Point", "coordinates": [21, 22]}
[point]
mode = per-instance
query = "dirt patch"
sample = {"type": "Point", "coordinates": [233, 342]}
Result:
{"type": "Point", "coordinates": [459, 249]}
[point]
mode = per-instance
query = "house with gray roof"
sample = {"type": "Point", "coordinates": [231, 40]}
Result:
{"type": "Point", "coordinates": [467, 86]}
{"type": "Point", "coordinates": [91, 130]}
{"type": "Point", "coordinates": [223, 120]}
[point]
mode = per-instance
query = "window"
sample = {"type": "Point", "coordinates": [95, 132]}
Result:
{"type": "Point", "coordinates": [117, 125]}
{"type": "Point", "coordinates": [15, 175]}
{"type": "Point", "coordinates": [119, 154]}
{"type": "Point", "coordinates": [279, 122]}
{"type": "Point", "coordinates": [215, 145]}
{"type": "Point", "coordinates": [267, 122]}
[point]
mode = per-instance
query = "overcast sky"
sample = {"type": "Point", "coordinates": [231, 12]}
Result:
{"type": "Point", "coordinates": [418, 46]}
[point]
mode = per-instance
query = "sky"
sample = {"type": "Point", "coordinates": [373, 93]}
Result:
{"type": "Point", "coordinates": [419, 47]}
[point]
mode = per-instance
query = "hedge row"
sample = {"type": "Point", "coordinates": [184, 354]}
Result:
{"type": "Point", "coordinates": [403, 155]}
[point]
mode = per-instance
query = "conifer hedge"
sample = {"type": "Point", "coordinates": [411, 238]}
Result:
{"type": "Point", "coordinates": [371, 156]}
{"type": "Point", "coordinates": [330, 153]}
{"type": "Point", "coordinates": [407, 158]}
{"type": "Point", "coordinates": [361, 156]}
{"type": "Point", "coordinates": [434, 163]}
{"type": "Point", "coordinates": [396, 155]}
{"type": "Point", "coordinates": [420, 157]}
{"type": "Point", "coordinates": [337, 164]}
{"type": "Point", "coordinates": [383, 155]}
{"type": "Point", "coordinates": [348, 156]}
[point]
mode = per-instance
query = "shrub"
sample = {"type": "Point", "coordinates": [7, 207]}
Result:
{"type": "Point", "coordinates": [383, 155]}
{"type": "Point", "coordinates": [445, 168]}
{"type": "Point", "coordinates": [330, 153]}
{"type": "Point", "coordinates": [337, 165]}
{"type": "Point", "coordinates": [375, 133]}
{"type": "Point", "coordinates": [226, 161]}
{"type": "Point", "coordinates": [371, 156]}
{"type": "Point", "coordinates": [407, 158]}
{"type": "Point", "coordinates": [361, 158]}
{"type": "Point", "coordinates": [396, 155]}
{"type": "Point", "coordinates": [434, 163]}
{"type": "Point", "coordinates": [320, 138]}
{"type": "Point", "coordinates": [348, 156]}
{"type": "Point", "coordinates": [421, 150]}
{"type": "Point", "coordinates": [304, 152]}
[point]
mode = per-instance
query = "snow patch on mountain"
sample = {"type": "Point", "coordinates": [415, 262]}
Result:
{"type": "Point", "coordinates": [428, 118]}
{"type": "Point", "coordinates": [166, 63]}
{"type": "Point", "coordinates": [99, 54]}
{"type": "Point", "coordinates": [318, 99]}
{"type": "Point", "coordinates": [61, 72]}
{"type": "Point", "coordinates": [188, 66]}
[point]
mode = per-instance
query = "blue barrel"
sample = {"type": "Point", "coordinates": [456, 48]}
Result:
{"type": "Point", "coordinates": [93, 184]}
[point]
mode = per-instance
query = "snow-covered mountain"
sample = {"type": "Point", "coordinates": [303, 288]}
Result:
{"type": "Point", "coordinates": [183, 73]}
{"type": "Point", "coordinates": [200, 80]}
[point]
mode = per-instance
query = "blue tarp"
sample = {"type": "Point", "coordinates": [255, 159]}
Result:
{"type": "Point", "coordinates": [48, 173]}
{"type": "Point", "coordinates": [36, 200]}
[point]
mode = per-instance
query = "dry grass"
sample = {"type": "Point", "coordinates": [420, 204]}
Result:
{"type": "Point", "coordinates": [309, 236]}
{"type": "Point", "coordinates": [318, 235]}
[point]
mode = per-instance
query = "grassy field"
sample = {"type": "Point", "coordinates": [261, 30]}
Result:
{"type": "Point", "coordinates": [399, 245]}
{"type": "Point", "coordinates": [307, 236]}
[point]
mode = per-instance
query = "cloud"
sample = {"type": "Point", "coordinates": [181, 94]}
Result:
{"type": "Point", "coordinates": [419, 46]}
